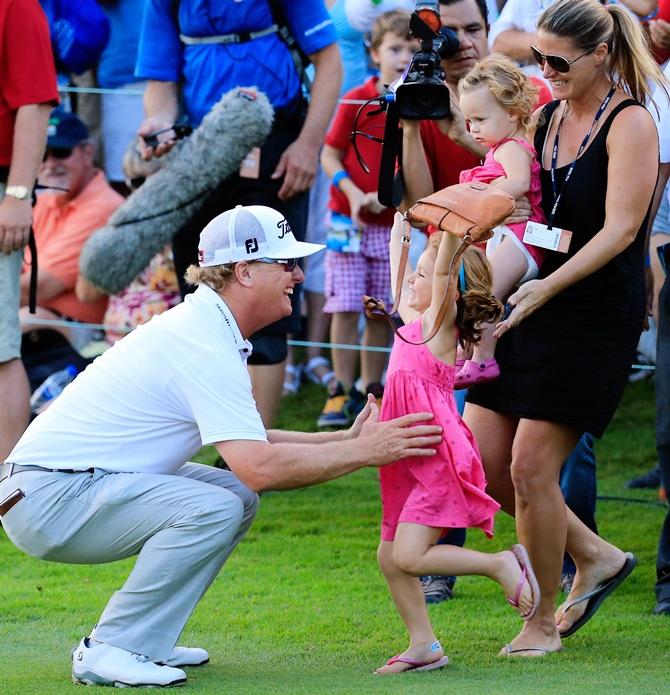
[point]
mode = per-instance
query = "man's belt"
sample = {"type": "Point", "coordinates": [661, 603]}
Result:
{"type": "Point", "coordinates": [242, 37]}
{"type": "Point", "coordinates": [8, 503]}
{"type": "Point", "coordinates": [7, 469]}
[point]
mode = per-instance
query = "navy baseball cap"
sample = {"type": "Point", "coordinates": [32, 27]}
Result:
{"type": "Point", "coordinates": [65, 129]}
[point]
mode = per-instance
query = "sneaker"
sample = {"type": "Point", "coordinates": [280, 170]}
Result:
{"type": "Point", "coordinates": [186, 656]}
{"type": "Point", "coordinates": [437, 589]}
{"type": "Point", "coordinates": [103, 664]}
{"type": "Point", "coordinates": [354, 404]}
{"type": "Point", "coordinates": [651, 479]}
{"type": "Point", "coordinates": [377, 390]}
{"type": "Point", "coordinates": [333, 414]}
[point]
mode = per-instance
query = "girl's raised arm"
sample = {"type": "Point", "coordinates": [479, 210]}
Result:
{"type": "Point", "coordinates": [444, 340]}
{"type": "Point", "coordinates": [395, 248]}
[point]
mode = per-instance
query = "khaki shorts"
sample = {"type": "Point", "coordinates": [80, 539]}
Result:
{"type": "Point", "coordinates": [10, 331]}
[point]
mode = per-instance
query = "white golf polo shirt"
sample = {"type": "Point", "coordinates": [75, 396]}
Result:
{"type": "Point", "coordinates": [152, 400]}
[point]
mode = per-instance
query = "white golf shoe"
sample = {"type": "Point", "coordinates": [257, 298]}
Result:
{"type": "Point", "coordinates": [103, 664]}
{"type": "Point", "coordinates": [186, 656]}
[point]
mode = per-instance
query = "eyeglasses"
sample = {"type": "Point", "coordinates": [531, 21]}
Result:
{"type": "Point", "coordinates": [58, 152]}
{"type": "Point", "coordinates": [289, 264]}
{"type": "Point", "coordinates": [558, 63]}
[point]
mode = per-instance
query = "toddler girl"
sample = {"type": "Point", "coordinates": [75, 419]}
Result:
{"type": "Point", "coordinates": [423, 498]}
{"type": "Point", "coordinates": [498, 100]}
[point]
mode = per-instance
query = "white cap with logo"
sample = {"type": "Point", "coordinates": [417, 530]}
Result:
{"type": "Point", "coordinates": [249, 232]}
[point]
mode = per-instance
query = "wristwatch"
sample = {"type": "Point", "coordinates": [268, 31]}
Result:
{"type": "Point", "coordinates": [18, 192]}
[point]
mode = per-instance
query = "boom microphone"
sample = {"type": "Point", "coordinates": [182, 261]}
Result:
{"type": "Point", "coordinates": [116, 254]}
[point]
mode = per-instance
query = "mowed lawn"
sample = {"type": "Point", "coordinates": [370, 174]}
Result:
{"type": "Point", "coordinates": [302, 608]}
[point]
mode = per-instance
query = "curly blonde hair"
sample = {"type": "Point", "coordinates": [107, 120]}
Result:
{"type": "Point", "coordinates": [477, 304]}
{"type": "Point", "coordinates": [508, 84]}
{"type": "Point", "coordinates": [215, 276]}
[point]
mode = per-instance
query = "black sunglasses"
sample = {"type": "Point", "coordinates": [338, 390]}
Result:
{"type": "Point", "coordinates": [289, 264]}
{"type": "Point", "coordinates": [58, 152]}
{"type": "Point", "coordinates": [558, 63]}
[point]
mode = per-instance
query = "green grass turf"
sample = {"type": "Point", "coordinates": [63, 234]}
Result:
{"type": "Point", "coordinates": [302, 608]}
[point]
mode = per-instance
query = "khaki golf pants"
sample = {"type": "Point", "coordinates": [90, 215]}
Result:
{"type": "Point", "coordinates": [182, 527]}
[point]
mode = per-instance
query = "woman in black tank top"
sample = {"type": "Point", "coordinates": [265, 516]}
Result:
{"type": "Point", "coordinates": [567, 346]}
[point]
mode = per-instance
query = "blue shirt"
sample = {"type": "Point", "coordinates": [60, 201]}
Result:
{"type": "Point", "coordinates": [117, 62]}
{"type": "Point", "coordinates": [210, 70]}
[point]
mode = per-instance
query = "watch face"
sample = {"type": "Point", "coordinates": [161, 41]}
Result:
{"type": "Point", "coordinates": [18, 192]}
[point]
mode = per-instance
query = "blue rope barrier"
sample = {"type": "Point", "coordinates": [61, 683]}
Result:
{"type": "Point", "coordinates": [294, 343]}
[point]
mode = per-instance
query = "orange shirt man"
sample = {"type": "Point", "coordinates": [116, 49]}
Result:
{"type": "Point", "coordinates": [63, 221]}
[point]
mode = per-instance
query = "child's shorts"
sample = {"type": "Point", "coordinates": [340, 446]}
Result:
{"type": "Point", "coordinates": [351, 275]}
{"type": "Point", "coordinates": [532, 254]}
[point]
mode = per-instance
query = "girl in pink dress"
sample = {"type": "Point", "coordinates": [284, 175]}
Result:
{"type": "Point", "coordinates": [423, 498]}
{"type": "Point", "coordinates": [497, 100]}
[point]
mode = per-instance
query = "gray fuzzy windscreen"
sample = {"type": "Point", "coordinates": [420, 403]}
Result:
{"type": "Point", "coordinates": [116, 254]}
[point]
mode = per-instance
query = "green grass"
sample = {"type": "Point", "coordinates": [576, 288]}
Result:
{"type": "Point", "coordinates": [302, 608]}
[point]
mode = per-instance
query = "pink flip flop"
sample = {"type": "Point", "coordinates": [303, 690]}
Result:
{"type": "Point", "coordinates": [527, 575]}
{"type": "Point", "coordinates": [415, 665]}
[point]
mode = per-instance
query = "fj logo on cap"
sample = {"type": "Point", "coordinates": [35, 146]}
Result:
{"type": "Point", "coordinates": [251, 245]}
{"type": "Point", "coordinates": [284, 228]}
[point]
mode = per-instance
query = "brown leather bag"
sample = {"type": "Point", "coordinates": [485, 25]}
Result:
{"type": "Point", "coordinates": [466, 209]}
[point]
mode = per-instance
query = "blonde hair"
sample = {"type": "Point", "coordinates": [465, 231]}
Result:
{"type": "Point", "coordinates": [393, 22]}
{"type": "Point", "coordinates": [476, 305]}
{"type": "Point", "coordinates": [588, 24]}
{"type": "Point", "coordinates": [508, 85]}
{"type": "Point", "coordinates": [215, 276]}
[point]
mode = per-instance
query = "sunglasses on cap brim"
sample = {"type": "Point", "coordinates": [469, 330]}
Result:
{"type": "Point", "coordinates": [289, 264]}
{"type": "Point", "coordinates": [558, 63]}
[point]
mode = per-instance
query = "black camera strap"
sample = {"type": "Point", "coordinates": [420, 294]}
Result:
{"type": "Point", "coordinates": [391, 190]}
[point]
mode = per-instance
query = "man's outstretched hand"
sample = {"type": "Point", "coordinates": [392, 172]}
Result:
{"type": "Point", "coordinates": [402, 437]}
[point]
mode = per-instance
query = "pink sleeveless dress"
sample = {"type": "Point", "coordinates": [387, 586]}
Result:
{"type": "Point", "coordinates": [490, 170]}
{"type": "Point", "coordinates": [446, 490]}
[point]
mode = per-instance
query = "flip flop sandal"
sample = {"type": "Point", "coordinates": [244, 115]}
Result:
{"type": "Point", "coordinates": [527, 575]}
{"type": "Point", "coordinates": [414, 665]}
{"type": "Point", "coordinates": [510, 650]}
{"type": "Point", "coordinates": [595, 597]}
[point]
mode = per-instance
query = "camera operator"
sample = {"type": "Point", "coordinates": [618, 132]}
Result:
{"type": "Point", "coordinates": [435, 152]}
{"type": "Point", "coordinates": [199, 50]}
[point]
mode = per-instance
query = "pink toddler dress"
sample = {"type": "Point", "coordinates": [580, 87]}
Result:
{"type": "Point", "coordinates": [446, 490]}
{"type": "Point", "coordinates": [491, 170]}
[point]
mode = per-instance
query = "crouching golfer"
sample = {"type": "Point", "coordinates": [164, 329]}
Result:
{"type": "Point", "coordinates": [101, 474]}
